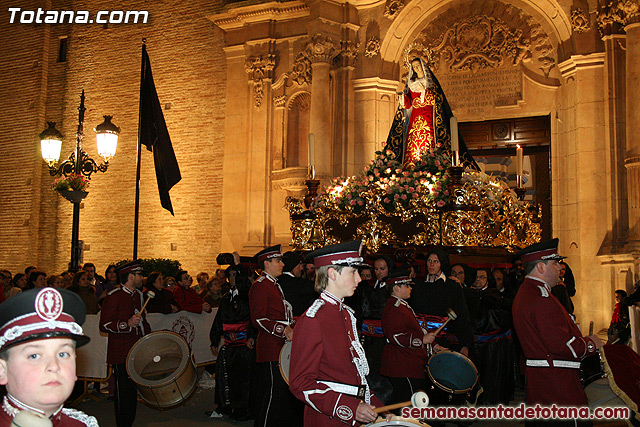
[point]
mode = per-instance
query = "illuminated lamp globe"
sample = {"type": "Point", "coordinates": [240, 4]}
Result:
{"type": "Point", "coordinates": [107, 138]}
{"type": "Point", "coordinates": [51, 143]}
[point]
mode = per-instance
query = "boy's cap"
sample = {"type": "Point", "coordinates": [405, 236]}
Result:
{"type": "Point", "coordinates": [345, 254]}
{"type": "Point", "coordinates": [269, 253]}
{"type": "Point", "coordinates": [42, 313]}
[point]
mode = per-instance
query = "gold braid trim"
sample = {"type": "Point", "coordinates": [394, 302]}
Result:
{"type": "Point", "coordinates": [612, 383]}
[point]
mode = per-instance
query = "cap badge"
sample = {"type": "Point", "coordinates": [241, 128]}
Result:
{"type": "Point", "coordinates": [48, 304]}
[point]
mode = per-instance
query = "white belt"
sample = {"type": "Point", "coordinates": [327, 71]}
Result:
{"type": "Point", "coordinates": [556, 364]}
{"type": "Point", "coordinates": [352, 390]}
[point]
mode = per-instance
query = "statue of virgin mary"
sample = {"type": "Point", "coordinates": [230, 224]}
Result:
{"type": "Point", "coordinates": [421, 123]}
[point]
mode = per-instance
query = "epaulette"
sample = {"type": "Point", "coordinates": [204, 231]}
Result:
{"type": "Point", "coordinates": [543, 291]}
{"type": "Point", "coordinates": [311, 311]}
{"type": "Point", "coordinates": [88, 420]}
{"type": "Point", "coordinates": [113, 290]}
{"type": "Point", "coordinates": [261, 278]}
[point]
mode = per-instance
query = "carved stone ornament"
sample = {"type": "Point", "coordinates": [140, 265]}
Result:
{"type": "Point", "coordinates": [480, 42]}
{"type": "Point", "coordinates": [580, 21]}
{"type": "Point", "coordinates": [392, 8]}
{"type": "Point", "coordinates": [259, 68]}
{"type": "Point", "coordinates": [372, 48]}
{"type": "Point", "coordinates": [301, 72]}
{"type": "Point", "coordinates": [320, 49]}
{"type": "Point", "coordinates": [348, 56]}
{"type": "Point", "coordinates": [279, 101]}
{"type": "Point", "coordinates": [622, 12]}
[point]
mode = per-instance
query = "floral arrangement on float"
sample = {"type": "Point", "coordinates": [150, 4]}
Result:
{"type": "Point", "coordinates": [428, 204]}
{"type": "Point", "coordinates": [386, 183]}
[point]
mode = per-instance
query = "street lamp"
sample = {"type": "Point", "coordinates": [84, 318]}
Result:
{"type": "Point", "coordinates": [78, 163]}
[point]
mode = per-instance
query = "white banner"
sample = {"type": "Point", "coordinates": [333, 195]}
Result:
{"type": "Point", "coordinates": [194, 328]}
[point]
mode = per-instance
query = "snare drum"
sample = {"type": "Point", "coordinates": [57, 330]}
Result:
{"type": "Point", "coordinates": [285, 360]}
{"type": "Point", "coordinates": [451, 376]}
{"type": "Point", "coordinates": [398, 422]}
{"type": "Point", "coordinates": [162, 367]}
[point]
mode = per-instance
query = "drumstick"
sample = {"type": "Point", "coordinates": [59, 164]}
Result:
{"type": "Point", "coordinates": [452, 316]}
{"type": "Point", "coordinates": [150, 294]}
{"type": "Point", "coordinates": [418, 400]}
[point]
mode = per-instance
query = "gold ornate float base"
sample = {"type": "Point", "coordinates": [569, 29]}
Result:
{"type": "Point", "coordinates": [477, 213]}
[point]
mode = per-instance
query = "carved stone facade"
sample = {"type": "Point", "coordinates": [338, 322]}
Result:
{"type": "Point", "coordinates": [249, 84]}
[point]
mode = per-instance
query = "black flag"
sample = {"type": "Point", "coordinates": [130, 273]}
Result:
{"type": "Point", "coordinates": [153, 133]}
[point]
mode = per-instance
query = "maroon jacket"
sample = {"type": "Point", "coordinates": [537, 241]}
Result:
{"type": "Point", "coordinates": [117, 309]}
{"type": "Point", "coordinates": [61, 418]}
{"type": "Point", "coordinates": [547, 333]}
{"type": "Point", "coordinates": [404, 355]}
{"type": "Point", "coordinates": [326, 348]}
{"type": "Point", "coordinates": [188, 299]}
{"type": "Point", "coordinates": [270, 314]}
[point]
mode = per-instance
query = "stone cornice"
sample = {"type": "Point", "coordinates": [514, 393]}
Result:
{"type": "Point", "coordinates": [571, 65]}
{"type": "Point", "coordinates": [273, 11]}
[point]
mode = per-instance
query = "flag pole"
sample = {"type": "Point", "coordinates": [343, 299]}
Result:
{"type": "Point", "coordinates": [138, 158]}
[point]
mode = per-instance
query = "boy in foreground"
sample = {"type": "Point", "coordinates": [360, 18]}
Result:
{"type": "Point", "coordinates": [39, 332]}
{"type": "Point", "coordinates": [328, 365]}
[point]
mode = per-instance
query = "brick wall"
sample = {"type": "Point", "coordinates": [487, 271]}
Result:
{"type": "Point", "coordinates": [187, 61]}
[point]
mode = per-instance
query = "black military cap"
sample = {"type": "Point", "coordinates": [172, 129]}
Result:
{"type": "Point", "coordinates": [42, 313]}
{"type": "Point", "coordinates": [541, 251]}
{"type": "Point", "coordinates": [269, 253]}
{"type": "Point", "coordinates": [345, 254]}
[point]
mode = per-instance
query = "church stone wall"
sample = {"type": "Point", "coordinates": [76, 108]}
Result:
{"type": "Point", "coordinates": [188, 66]}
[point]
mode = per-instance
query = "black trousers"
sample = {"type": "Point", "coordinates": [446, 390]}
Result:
{"type": "Point", "coordinates": [279, 407]}
{"type": "Point", "coordinates": [404, 388]}
{"type": "Point", "coordinates": [125, 397]}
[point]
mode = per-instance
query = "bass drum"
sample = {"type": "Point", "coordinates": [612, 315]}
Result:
{"type": "Point", "coordinates": [162, 367]}
{"type": "Point", "coordinates": [285, 361]}
{"type": "Point", "coordinates": [398, 422]}
{"type": "Point", "coordinates": [451, 377]}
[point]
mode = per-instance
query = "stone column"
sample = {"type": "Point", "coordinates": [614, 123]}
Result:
{"type": "Point", "coordinates": [343, 145]}
{"type": "Point", "coordinates": [632, 161]}
{"type": "Point", "coordinates": [320, 51]}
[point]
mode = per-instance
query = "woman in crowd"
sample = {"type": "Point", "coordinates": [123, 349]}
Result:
{"type": "Point", "coordinates": [463, 274]}
{"type": "Point", "coordinates": [163, 302]}
{"type": "Point", "coordinates": [37, 279]}
{"type": "Point", "coordinates": [55, 281]}
{"type": "Point", "coordinates": [213, 292]}
{"type": "Point", "coordinates": [18, 284]}
{"type": "Point", "coordinates": [82, 287]}
{"type": "Point", "coordinates": [109, 283]}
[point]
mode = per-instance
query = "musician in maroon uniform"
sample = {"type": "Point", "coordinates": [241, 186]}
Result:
{"type": "Point", "coordinates": [328, 365]}
{"type": "Point", "coordinates": [39, 332]}
{"type": "Point", "coordinates": [122, 320]}
{"type": "Point", "coordinates": [550, 339]}
{"type": "Point", "coordinates": [271, 316]}
{"type": "Point", "coordinates": [405, 354]}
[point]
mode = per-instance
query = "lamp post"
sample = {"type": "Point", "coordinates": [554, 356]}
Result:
{"type": "Point", "coordinates": [79, 163]}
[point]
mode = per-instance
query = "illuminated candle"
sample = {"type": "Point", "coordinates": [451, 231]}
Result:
{"type": "Point", "coordinates": [311, 149]}
{"type": "Point", "coordinates": [312, 170]}
{"type": "Point", "coordinates": [453, 124]}
{"type": "Point", "coordinates": [519, 162]}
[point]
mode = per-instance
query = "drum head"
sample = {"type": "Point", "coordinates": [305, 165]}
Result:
{"type": "Point", "coordinates": [157, 358]}
{"type": "Point", "coordinates": [285, 361]}
{"type": "Point", "coordinates": [397, 422]}
{"type": "Point", "coordinates": [452, 372]}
